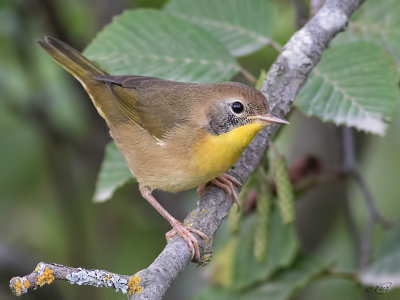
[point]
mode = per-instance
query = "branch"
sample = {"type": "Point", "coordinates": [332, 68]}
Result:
{"type": "Point", "coordinates": [353, 169]}
{"type": "Point", "coordinates": [286, 76]}
{"type": "Point", "coordinates": [46, 273]}
{"type": "Point", "coordinates": [374, 216]}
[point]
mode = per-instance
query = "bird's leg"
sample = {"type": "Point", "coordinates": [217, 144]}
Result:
{"type": "Point", "coordinates": [177, 227]}
{"type": "Point", "coordinates": [201, 188]}
{"type": "Point", "coordinates": [225, 182]}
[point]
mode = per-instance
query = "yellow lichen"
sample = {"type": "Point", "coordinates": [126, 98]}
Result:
{"type": "Point", "coordinates": [108, 277]}
{"type": "Point", "coordinates": [46, 277]}
{"type": "Point", "coordinates": [134, 285]}
{"type": "Point", "coordinates": [26, 283]}
{"type": "Point", "coordinates": [206, 258]}
{"type": "Point", "coordinates": [20, 286]}
{"type": "Point", "coordinates": [17, 287]}
{"type": "Point", "coordinates": [203, 210]}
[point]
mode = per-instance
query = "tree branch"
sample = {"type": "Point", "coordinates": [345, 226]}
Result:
{"type": "Point", "coordinates": [46, 273]}
{"type": "Point", "coordinates": [286, 76]}
{"type": "Point", "coordinates": [374, 216]}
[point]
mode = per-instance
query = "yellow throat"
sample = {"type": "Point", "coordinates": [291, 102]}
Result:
{"type": "Point", "coordinates": [215, 154]}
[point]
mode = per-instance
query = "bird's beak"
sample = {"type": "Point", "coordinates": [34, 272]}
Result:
{"type": "Point", "coordinates": [271, 118]}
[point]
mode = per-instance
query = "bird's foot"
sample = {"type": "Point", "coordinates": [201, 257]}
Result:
{"type": "Point", "coordinates": [186, 233]}
{"type": "Point", "coordinates": [225, 182]}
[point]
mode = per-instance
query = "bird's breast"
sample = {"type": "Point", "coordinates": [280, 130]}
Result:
{"type": "Point", "coordinates": [215, 154]}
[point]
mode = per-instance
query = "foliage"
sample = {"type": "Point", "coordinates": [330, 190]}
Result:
{"type": "Point", "coordinates": [385, 270]}
{"type": "Point", "coordinates": [241, 27]}
{"type": "Point", "coordinates": [354, 85]}
{"type": "Point", "coordinates": [365, 95]}
{"type": "Point", "coordinates": [281, 287]}
{"type": "Point", "coordinates": [112, 175]}
{"type": "Point", "coordinates": [235, 266]}
{"type": "Point", "coordinates": [153, 43]}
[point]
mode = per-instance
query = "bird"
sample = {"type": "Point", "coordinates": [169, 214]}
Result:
{"type": "Point", "coordinates": [173, 135]}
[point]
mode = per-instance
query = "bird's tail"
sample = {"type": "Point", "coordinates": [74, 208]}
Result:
{"type": "Point", "coordinates": [85, 71]}
{"type": "Point", "coordinates": [70, 59]}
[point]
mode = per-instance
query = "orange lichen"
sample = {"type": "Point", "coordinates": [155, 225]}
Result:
{"type": "Point", "coordinates": [20, 286]}
{"type": "Point", "coordinates": [17, 287]}
{"type": "Point", "coordinates": [108, 277]}
{"type": "Point", "coordinates": [26, 283]}
{"type": "Point", "coordinates": [46, 278]}
{"type": "Point", "coordinates": [134, 285]}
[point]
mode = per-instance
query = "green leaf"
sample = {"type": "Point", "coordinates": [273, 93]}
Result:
{"type": "Point", "coordinates": [153, 43]}
{"type": "Point", "coordinates": [386, 268]}
{"type": "Point", "coordinates": [243, 26]}
{"type": "Point", "coordinates": [244, 269]}
{"type": "Point", "coordinates": [352, 85]}
{"type": "Point", "coordinates": [281, 287]}
{"type": "Point", "coordinates": [282, 250]}
{"type": "Point", "coordinates": [377, 22]}
{"type": "Point", "coordinates": [113, 174]}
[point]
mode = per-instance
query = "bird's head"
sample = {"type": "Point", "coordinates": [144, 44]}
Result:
{"type": "Point", "coordinates": [234, 105]}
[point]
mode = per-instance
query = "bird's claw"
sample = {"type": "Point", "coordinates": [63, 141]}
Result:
{"type": "Point", "coordinates": [186, 233]}
{"type": "Point", "coordinates": [226, 182]}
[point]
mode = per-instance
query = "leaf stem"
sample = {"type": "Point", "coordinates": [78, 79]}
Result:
{"type": "Point", "coordinates": [276, 45]}
{"type": "Point", "coordinates": [342, 274]}
{"type": "Point", "coordinates": [250, 77]}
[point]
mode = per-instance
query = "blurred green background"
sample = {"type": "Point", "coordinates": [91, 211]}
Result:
{"type": "Point", "coordinates": [52, 144]}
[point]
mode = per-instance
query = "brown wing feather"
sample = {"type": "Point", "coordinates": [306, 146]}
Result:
{"type": "Point", "coordinates": [152, 102]}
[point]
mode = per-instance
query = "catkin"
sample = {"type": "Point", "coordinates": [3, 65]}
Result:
{"type": "Point", "coordinates": [284, 189]}
{"type": "Point", "coordinates": [263, 211]}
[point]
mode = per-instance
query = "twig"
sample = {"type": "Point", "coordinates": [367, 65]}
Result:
{"type": "Point", "coordinates": [352, 226]}
{"type": "Point", "coordinates": [353, 170]}
{"type": "Point", "coordinates": [250, 77]}
{"type": "Point", "coordinates": [352, 167]}
{"type": "Point", "coordinates": [342, 274]}
{"type": "Point", "coordinates": [286, 76]}
{"type": "Point", "coordinates": [46, 273]}
{"type": "Point", "coordinates": [275, 45]}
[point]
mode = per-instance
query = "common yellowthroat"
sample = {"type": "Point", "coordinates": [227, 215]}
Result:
{"type": "Point", "coordinates": [173, 135]}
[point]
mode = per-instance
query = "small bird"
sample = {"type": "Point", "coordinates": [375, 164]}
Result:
{"type": "Point", "coordinates": [174, 135]}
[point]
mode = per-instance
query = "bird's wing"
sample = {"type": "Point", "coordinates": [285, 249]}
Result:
{"type": "Point", "coordinates": [150, 102]}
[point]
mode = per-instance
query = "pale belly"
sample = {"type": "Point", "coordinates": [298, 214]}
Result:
{"type": "Point", "coordinates": [173, 169]}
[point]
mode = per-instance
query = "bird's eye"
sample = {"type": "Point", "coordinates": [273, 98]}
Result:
{"type": "Point", "coordinates": [237, 107]}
